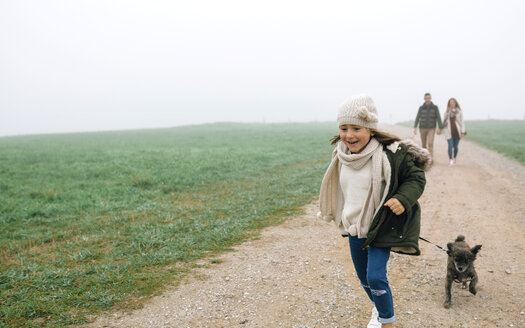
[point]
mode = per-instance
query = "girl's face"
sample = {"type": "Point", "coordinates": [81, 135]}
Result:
{"type": "Point", "coordinates": [452, 103]}
{"type": "Point", "coordinates": [355, 137]}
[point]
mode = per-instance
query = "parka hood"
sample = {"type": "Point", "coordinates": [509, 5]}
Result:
{"type": "Point", "coordinates": [422, 157]}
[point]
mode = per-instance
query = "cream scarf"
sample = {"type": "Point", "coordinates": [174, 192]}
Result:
{"type": "Point", "coordinates": [331, 200]}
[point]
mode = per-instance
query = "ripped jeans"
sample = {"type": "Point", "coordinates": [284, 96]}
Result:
{"type": "Point", "coordinates": [370, 266]}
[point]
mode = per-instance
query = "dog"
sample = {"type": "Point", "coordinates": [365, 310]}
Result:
{"type": "Point", "coordinates": [460, 266]}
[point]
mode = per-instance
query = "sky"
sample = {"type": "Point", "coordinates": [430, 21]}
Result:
{"type": "Point", "coordinates": [95, 65]}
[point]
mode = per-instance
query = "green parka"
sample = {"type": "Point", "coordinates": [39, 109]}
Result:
{"type": "Point", "coordinates": [401, 232]}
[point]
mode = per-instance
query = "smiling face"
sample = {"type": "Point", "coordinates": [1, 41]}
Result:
{"type": "Point", "coordinates": [452, 103]}
{"type": "Point", "coordinates": [355, 137]}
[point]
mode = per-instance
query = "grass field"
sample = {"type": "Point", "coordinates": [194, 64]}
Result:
{"type": "Point", "coordinates": [94, 220]}
{"type": "Point", "coordinates": [505, 137]}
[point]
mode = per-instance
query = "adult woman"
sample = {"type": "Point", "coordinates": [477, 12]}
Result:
{"type": "Point", "coordinates": [454, 128]}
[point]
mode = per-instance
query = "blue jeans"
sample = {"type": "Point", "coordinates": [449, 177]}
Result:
{"type": "Point", "coordinates": [370, 266]}
{"type": "Point", "coordinates": [453, 144]}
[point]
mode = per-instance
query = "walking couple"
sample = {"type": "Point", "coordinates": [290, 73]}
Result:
{"type": "Point", "coordinates": [427, 118]}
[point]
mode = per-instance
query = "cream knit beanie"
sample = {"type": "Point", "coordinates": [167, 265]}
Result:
{"type": "Point", "coordinates": [358, 110]}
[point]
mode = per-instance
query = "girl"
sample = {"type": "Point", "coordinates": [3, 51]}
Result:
{"type": "Point", "coordinates": [371, 190]}
{"type": "Point", "coordinates": [455, 128]}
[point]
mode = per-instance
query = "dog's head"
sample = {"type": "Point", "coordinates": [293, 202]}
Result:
{"type": "Point", "coordinates": [462, 257]}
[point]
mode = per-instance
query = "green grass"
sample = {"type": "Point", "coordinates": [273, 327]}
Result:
{"type": "Point", "coordinates": [93, 221]}
{"type": "Point", "coordinates": [505, 137]}
{"type": "Point", "coordinates": [408, 124]}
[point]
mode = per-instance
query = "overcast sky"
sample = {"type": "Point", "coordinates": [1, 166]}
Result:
{"type": "Point", "coordinates": [98, 65]}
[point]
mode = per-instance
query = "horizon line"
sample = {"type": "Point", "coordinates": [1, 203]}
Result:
{"type": "Point", "coordinates": [207, 123]}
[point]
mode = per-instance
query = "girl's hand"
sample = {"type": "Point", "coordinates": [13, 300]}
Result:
{"type": "Point", "coordinates": [395, 206]}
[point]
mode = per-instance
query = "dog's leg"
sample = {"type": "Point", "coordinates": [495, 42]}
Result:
{"type": "Point", "coordinates": [448, 296]}
{"type": "Point", "coordinates": [472, 285]}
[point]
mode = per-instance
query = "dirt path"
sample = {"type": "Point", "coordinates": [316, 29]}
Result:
{"type": "Point", "coordinates": [299, 274]}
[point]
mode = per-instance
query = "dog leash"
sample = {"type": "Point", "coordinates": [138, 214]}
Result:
{"type": "Point", "coordinates": [428, 241]}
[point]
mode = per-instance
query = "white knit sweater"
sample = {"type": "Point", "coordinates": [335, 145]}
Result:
{"type": "Point", "coordinates": [355, 185]}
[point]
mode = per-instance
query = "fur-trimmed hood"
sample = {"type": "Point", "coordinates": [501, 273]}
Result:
{"type": "Point", "coordinates": [422, 157]}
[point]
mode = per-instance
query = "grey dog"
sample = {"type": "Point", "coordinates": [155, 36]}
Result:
{"type": "Point", "coordinates": [460, 266]}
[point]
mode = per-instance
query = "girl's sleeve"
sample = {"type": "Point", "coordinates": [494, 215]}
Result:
{"type": "Point", "coordinates": [411, 183]}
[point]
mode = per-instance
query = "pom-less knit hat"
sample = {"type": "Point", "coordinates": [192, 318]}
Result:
{"type": "Point", "coordinates": [358, 110]}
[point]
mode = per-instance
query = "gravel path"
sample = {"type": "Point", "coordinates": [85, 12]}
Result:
{"type": "Point", "coordinates": [299, 274]}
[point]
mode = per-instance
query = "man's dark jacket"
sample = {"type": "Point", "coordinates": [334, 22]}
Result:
{"type": "Point", "coordinates": [427, 116]}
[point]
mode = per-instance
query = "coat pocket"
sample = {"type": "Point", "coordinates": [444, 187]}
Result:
{"type": "Point", "coordinates": [393, 228]}
{"type": "Point", "coordinates": [412, 223]}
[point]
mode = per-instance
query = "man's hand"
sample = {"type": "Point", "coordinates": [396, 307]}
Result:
{"type": "Point", "coordinates": [463, 134]}
{"type": "Point", "coordinates": [395, 206]}
{"type": "Point", "coordinates": [439, 131]}
{"type": "Point", "coordinates": [415, 130]}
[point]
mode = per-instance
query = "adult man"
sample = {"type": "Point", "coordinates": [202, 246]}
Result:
{"type": "Point", "coordinates": [427, 116]}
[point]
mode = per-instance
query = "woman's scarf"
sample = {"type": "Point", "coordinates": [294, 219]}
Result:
{"type": "Point", "coordinates": [330, 187]}
{"type": "Point", "coordinates": [453, 112]}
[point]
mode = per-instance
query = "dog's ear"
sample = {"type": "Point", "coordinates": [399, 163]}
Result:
{"type": "Point", "coordinates": [449, 246]}
{"type": "Point", "coordinates": [475, 249]}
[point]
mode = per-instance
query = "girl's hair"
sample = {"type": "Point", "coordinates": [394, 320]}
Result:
{"type": "Point", "coordinates": [448, 104]}
{"type": "Point", "coordinates": [384, 138]}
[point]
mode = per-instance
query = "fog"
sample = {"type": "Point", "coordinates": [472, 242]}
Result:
{"type": "Point", "coordinates": [108, 65]}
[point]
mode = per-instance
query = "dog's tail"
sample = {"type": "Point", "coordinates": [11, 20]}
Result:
{"type": "Point", "coordinates": [460, 238]}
